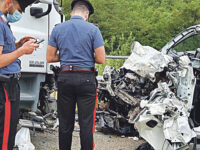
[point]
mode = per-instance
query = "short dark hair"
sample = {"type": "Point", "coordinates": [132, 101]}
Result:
{"type": "Point", "coordinates": [81, 6]}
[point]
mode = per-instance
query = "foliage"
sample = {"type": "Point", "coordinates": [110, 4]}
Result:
{"type": "Point", "coordinates": [152, 22]}
{"type": "Point", "coordinates": [119, 46]}
{"type": "Point", "coordinates": [190, 44]}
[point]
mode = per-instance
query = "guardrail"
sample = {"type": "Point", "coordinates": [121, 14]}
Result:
{"type": "Point", "coordinates": [117, 57]}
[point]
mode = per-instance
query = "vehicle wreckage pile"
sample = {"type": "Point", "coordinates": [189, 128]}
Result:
{"type": "Point", "coordinates": [152, 93]}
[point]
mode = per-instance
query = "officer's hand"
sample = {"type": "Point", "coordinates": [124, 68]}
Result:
{"type": "Point", "coordinates": [25, 39]}
{"type": "Point", "coordinates": [28, 47]}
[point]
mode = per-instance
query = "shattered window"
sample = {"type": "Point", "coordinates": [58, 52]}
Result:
{"type": "Point", "coordinates": [190, 44]}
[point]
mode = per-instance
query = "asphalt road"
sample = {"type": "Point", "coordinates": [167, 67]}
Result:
{"type": "Point", "coordinates": [48, 140]}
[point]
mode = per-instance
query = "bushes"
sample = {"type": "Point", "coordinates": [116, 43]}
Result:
{"type": "Point", "coordinates": [152, 22]}
{"type": "Point", "coordinates": [118, 46]}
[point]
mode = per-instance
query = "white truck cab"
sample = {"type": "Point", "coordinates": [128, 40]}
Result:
{"type": "Point", "coordinates": [37, 81]}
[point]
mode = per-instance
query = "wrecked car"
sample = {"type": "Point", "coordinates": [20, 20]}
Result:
{"type": "Point", "coordinates": [156, 93]}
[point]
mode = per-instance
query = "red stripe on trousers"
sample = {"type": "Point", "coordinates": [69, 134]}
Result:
{"type": "Point", "coordinates": [6, 122]}
{"type": "Point", "coordinates": [94, 117]}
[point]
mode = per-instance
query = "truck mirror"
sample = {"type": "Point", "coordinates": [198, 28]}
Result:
{"type": "Point", "coordinates": [35, 11]}
{"type": "Point", "coordinates": [38, 12]}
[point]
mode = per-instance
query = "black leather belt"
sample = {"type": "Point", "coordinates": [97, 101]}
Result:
{"type": "Point", "coordinates": [7, 77]}
{"type": "Point", "coordinates": [14, 76]}
{"type": "Point", "coordinates": [74, 68]}
{"type": "Point", "coordinates": [4, 78]}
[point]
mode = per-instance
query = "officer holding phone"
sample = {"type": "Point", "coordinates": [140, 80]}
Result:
{"type": "Point", "coordinates": [38, 41]}
{"type": "Point", "coordinates": [10, 12]}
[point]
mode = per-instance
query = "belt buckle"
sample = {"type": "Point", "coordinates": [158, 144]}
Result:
{"type": "Point", "coordinates": [70, 68]}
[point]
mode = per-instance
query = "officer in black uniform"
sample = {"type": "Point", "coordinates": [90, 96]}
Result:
{"type": "Point", "coordinates": [80, 45]}
{"type": "Point", "coordinates": [10, 12]}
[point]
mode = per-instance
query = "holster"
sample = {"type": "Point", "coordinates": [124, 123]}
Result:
{"type": "Point", "coordinates": [56, 71]}
{"type": "Point", "coordinates": [96, 71]}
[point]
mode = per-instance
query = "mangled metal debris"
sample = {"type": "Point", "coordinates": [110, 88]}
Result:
{"type": "Point", "coordinates": [39, 121]}
{"type": "Point", "coordinates": [31, 124]}
{"type": "Point", "coordinates": [154, 93]}
{"type": "Point", "coordinates": [146, 61]}
{"type": "Point", "coordinates": [34, 121]}
{"type": "Point", "coordinates": [122, 90]}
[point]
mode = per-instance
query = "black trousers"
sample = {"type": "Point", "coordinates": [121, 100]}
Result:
{"type": "Point", "coordinates": [76, 87]}
{"type": "Point", "coordinates": [9, 112]}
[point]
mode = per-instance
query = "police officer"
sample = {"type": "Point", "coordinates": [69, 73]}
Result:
{"type": "Point", "coordinates": [10, 12]}
{"type": "Point", "coordinates": [80, 45]}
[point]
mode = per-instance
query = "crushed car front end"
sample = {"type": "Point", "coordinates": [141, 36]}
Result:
{"type": "Point", "coordinates": [157, 92]}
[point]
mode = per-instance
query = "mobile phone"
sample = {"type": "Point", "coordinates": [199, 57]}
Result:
{"type": "Point", "coordinates": [38, 41]}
